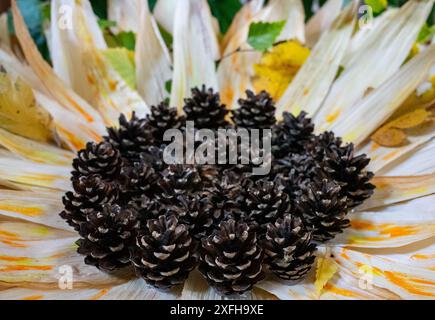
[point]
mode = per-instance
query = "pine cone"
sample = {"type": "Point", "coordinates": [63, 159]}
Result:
{"type": "Point", "coordinates": [107, 235]}
{"type": "Point", "coordinates": [205, 109]}
{"type": "Point", "coordinates": [132, 137]}
{"type": "Point", "coordinates": [179, 178]}
{"type": "Point", "coordinates": [255, 112]}
{"type": "Point", "coordinates": [164, 253]}
{"type": "Point", "coordinates": [349, 171]}
{"type": "Point", "coordinates": [137, 179]}
{"type": "Point", "coordinates": [265, 202]}
{"type": "Point", "coordinates": [196, 211]}
{"type": "Point", "coordinates": [153, 156]}
{"type": "Point", "coordinates": [292, 134]}
{"type": "Point", "coordinates": [323, 209]}
{"type": "Point", "coordinates": [97, 158]}
{"type": "Point", "coordinates": [149, 207]}
{"type": "Point", "coordinates": [288, 248]}
{"type": "Point", "coordinates": [90, 194]}
{"type": "Point", "coordinates": [163, 118]}
{"type": "Point", "coordinates": [231, 258]}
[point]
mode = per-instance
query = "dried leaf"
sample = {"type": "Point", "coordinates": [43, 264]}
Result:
{"type": "Point", "coordinates": [392, 134]}
{"type": "Point", "coordinates": [411, 119]}
{"type": "Point", "coordinates": [326, 268]}
{"type": "Point", "coordinates": [389, 137]}
{"type": "Point", "coordinates": [278, 67]}
{"type": "Point", "coordinates": [19, 112]}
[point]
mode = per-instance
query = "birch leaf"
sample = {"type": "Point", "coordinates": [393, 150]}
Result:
{"type": "Point", "coordinates": [262, 35]}
{"type": "Point", "coordinates": [326, 268]}
{"type": "Point", "coordinates": [122, 60]}
{"type": "Point", "coordinates": [278, 67]}
{"type": "Point", "coordinates": [19, 112]}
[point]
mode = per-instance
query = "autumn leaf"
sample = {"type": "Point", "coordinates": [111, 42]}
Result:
{"type": "Point", "coordinates": [393, 133]}
{"type": "Point", "coordinates": [19, 112]}
{"type": "Point", "coordinates": [326, 268]}
{"type": "Point", "coordinates": [278, 67]}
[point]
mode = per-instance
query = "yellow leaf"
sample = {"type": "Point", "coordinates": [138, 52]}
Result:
{"type": "Point", "coordinates": [393, 134]}
{"type": "Point", "coordinates": [389, 137]}
{"type": "Point", "coordinates": [19, 112]}
{"type": "Point", "coordinates": [278, 67]}
{"type": "Point", "coordinates": [122, 60]}
{"type": "Point", "coordinates": [326, 268]}
{"type": "Point", "coordinates": [411, 119]}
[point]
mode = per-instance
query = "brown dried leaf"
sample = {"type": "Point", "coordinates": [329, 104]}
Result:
{"type": "Point", "coordinates": [389, 137]}
{"type": "Point", "coordinates": [411, 119]}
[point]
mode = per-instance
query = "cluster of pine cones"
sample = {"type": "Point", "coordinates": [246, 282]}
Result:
{"type": "Point", "coordinates": [131, 208]}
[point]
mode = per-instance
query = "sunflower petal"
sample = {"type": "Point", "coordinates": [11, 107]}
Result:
{"type": "Point", "coordinates": [21, 232]}
{"type": "Point", "coordinates": [125, 14]}
{"type": "Point", "coordinates": [391, 190]}
{"type": "Point", "coordinates": [36, 263]}
{"type": "Point", "coordinates": [164, 11]}
{"type": "Point", "coordinates": [95, 79]}
{"type": "Point", "coordinates": [371, 66]}
{"type": "Point", "coordinates": [322, 21]}
{"type": "Point", "coordinates": [135, 289]}
{"type": "Point", "coordinates": [418, 162]}
{"type": "Point", "coordinates": [36, 174]}
{"type": "Point", "coordinates": [38, 207]}
{"type": "Point", "coordinates": [153, 65]}
{"type": "Point", "coordinates": [311, 84]}
{"type": "Point", "coordinates": [194, 57]}
{"type": "Point", "coordinates": [4, 31]}
{"type": "Point", "coordinates": [356, 124]}
{"type": "Point", "coordinates": [196, 288]}
{"type": "Point", "coordinates": [52, 84]}
{"type": "Point", "coordinates": [406, 281]}
{"type": "Point", "coordinates": [382, 157]}
{"type": "Point", "coordinates": [72, 130]}
{"type": "Point", "coordinates": [392, 226]}
{"type": "Point", "coordinates": [35, 151]}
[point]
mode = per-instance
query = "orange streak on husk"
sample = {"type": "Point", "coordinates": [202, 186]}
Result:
{"type": "Point", "coordinates": [99, 294]}
{"type": "Point", "coordinates": [402, 281]}
{"type": "Point", "coordinates": [36, 297]}
{"type": "Point", "coordinates": [24, 268]}
{"type": "Point", "coordinates": [27, 211]}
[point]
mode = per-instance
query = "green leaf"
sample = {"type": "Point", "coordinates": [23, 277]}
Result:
{"type": "Point", "coordinates": [262, 35]}
{"type": "Point", "coordinates": [167, 37]}
{"type": "Point", "coordinates": [126, 40]}
{"type": "Point", "coordinates": [224, 11]}
{"type": "Point", "coordinates": [168, 86]}
{"type": "Point", "coordinates": [426, 33]}
{"type": "Point", "coordinates": [122, 60]}
{"type": "Point", "coordinates": [104, 24]}
{"type": "Point", "coordinates": [377, 5]}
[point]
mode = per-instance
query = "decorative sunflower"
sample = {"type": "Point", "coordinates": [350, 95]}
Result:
{"type": "Point", "coordinates": [90, 209]}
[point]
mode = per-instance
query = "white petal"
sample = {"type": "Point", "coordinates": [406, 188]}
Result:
{"type": "Point", "coordinates": [377, 61]}
{"type": "Point", "coordinates": [153, 65]}
{"type": "Point", "coordinates": [312, 82]}
{"type": "Point", "coordinates": [322, 21]}
{"type": "Point", "coordinates": [194, 56]}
